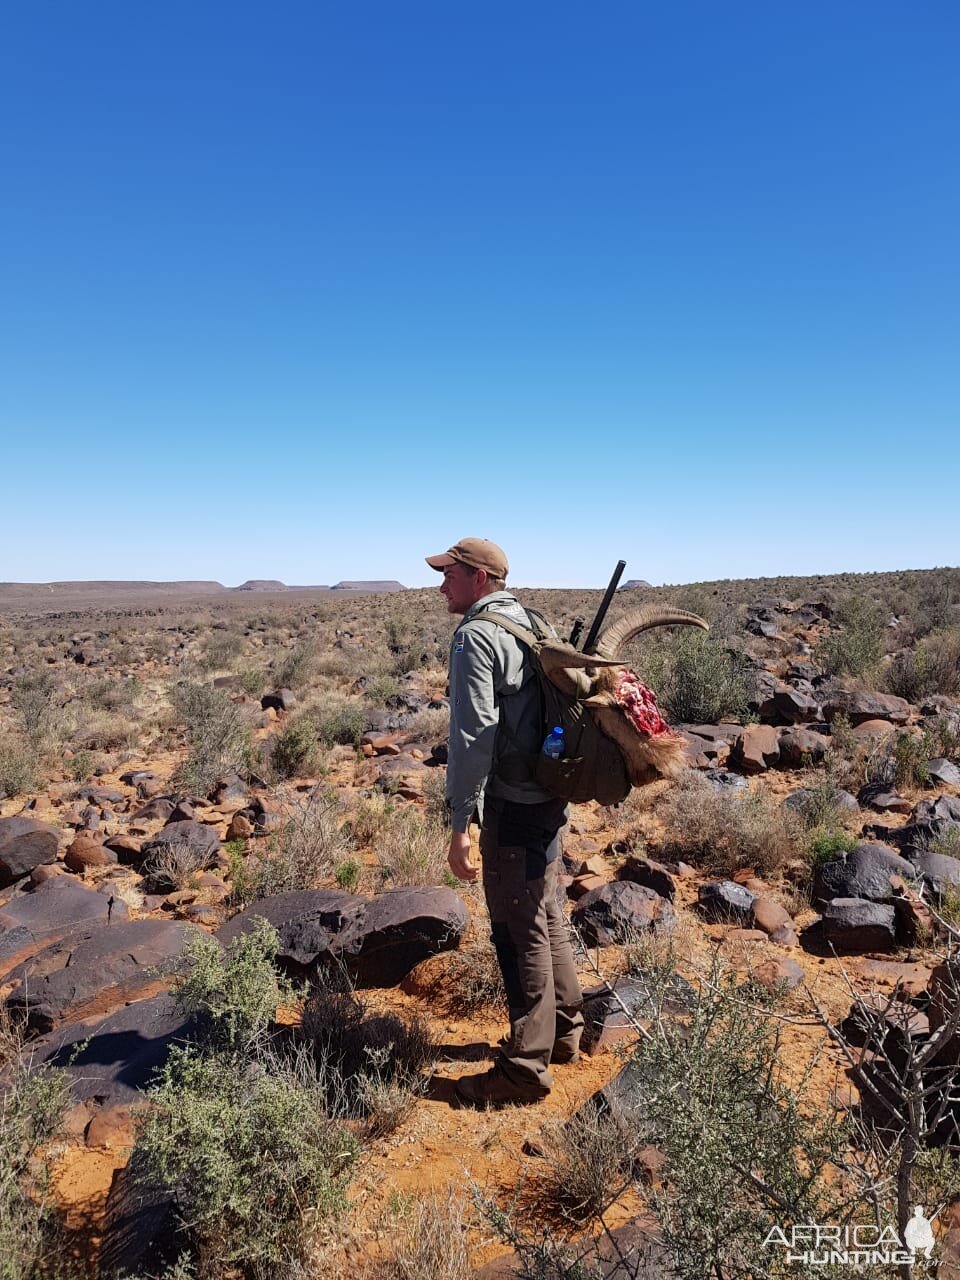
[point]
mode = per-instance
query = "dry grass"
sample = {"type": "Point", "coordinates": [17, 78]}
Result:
{"type": "Point", "coordinates": [412, 848]}
{"type": "Point", "coordinates": [426, 1239]}
{"type": "Point", "coordinates": [589, 1161]}
{"type": "Point", "coordinates": [722, 833]}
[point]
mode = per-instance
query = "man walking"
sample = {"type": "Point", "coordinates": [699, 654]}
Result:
{"type": "Point", "coordinates": [495, 728]}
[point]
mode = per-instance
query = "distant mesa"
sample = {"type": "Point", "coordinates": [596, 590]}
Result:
{"type": "Point", "coordinates": [368, 586]}
{"type": "Point", "coordinates": [262, 584]}
{"type": "Point", "coordinates": [635, 582]}
{"type": "Point", "coordinates": [272, 584]}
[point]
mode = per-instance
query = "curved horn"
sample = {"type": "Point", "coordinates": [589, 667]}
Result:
{"type": "Point", "coordinates": [613, 637]}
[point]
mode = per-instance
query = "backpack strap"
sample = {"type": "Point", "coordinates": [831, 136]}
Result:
{"type": "Point", "coordinates": [523, 634]}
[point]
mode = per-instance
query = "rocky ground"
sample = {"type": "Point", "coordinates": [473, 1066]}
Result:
{"type": "Point", "coordinates": [813, 845]}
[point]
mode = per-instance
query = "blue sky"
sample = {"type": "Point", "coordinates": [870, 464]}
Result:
{"type": "Point", "coordinates": [308, 291]}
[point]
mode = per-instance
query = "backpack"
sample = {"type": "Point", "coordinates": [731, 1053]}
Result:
{"type": "Point", "coordinates": [593, 766]}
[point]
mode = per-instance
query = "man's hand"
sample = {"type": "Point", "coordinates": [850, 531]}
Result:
{"type": "Point", "coordinates": [459, 857]}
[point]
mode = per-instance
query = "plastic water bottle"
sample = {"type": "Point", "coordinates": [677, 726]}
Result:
{"type": "Point", "coordinates": [553, 743]}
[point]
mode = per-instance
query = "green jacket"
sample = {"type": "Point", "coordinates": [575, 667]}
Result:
{"type": "Point", "coordinates": [494, 712]}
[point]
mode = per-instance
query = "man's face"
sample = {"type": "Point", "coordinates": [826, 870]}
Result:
{"type": "Point", "coordinates": [462, 587]}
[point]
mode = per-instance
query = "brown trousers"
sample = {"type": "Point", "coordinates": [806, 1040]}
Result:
{"type": "Point", "coordinates": [520, 847]}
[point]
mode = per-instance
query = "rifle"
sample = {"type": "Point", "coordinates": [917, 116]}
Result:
{"type": "Point", "coordinates": [589, 645]}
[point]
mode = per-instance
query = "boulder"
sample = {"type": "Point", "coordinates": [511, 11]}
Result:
{"type": "Point", "coordinates": [97, 968]}
{"type": "Point", "coordinates": [85, 852]}
{"type": "Point", "coordinates": [200, 840]}
{"type": "Point", "coordinates": [770, 916]}
{"type": "Point", "coordinates": [650, 874]}
{"type": "Point", "coordinates": [229, 787]}
{"type": "Point", "coordinates": [800, 747]}
{"type": "Point", "coordinates": [48, 912]}
{"type": "Point", "coordinates": [881, 799]}
{"type": "Point", "coordinates": [139, 1234]}
{"type": "Point", "coordinates": [724, 781]}
{"type": "Point", "coordinates": [378, 940]}
{"type": "Point", "coordinates": [612, 1012]}
{"type": "Point", "coordinates": [25, 843]}
{"type": "Point", "coordinates": [778, 975]}
{"type": "Point", "coordinates": [944, 772]}
{"type": "Point", "coordinates": [159, 807]}
{"type": "Point", "coordinates": [856, 924]}
{"type": "Point", "coordinates": [938, 872]}
{"type": "Point", "coordinates": [619, 912]}
{"type": "Point", "coordinates": [726, 901]}
{"type": "Point", "coordinates": [794, 706]}
{"type": "Point", "coordinates": [281, 700]}
{"type": "Point", "coordinates": [757, 748]}
{"type": "Point", "coordinates": [859, 706]}
{"type": "Point", "coordinates": [863, 873]}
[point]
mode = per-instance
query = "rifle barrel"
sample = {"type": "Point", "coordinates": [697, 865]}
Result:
{"type": "Point", "coordinates": [589, 645]}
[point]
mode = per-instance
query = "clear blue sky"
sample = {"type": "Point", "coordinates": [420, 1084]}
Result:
{"type": "Point", "coordinates": [309, 290]}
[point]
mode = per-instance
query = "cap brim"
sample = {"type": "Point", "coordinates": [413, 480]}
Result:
{"type": "Point", "coordinates": [441, 562]}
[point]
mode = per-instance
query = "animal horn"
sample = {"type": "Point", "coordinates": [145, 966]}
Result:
{"type": "Point", "coordinates": [613, 637]}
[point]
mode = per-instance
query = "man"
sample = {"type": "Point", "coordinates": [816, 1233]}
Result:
{"type": "Point", "coordinates": [495, 727]}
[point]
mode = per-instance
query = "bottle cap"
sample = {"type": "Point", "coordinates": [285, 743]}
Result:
{"type": "Point", "coordinates": [558, 728]}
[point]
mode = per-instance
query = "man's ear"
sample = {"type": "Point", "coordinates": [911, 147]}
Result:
{"type": "Point", "coordinates": [483, 578]}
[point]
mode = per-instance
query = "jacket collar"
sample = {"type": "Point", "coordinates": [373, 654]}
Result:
{"type": "Point", "coordinates": [495, 597]}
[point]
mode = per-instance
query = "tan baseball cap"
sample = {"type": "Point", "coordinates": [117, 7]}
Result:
{"type": "Point", "coordinates": [478, 553]}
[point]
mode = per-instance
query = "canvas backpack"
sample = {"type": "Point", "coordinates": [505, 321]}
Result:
{"type": "Point", "coordinates": [592, 766]}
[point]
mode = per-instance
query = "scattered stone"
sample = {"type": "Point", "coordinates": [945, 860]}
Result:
{"type": "Point", "coordinates": [611, 1013]}
{"type": "Point", "coordinates": [200, 840]}
{"type": "Point", "coordinates": [726, 901]}
{"type": "Point", "coordinates": [229, 787]}
{"type": "Point", "coordinates": [127, 849]}
{"type": "Point", "coordinates": [580, 886]}
{"type": "Point", "coordinates": [240, 828]}
{"type": "Point", "coordinates": [757, 748]}
{"type": "Point", "coordinates": [282, 700]}
{"type": "Point", "coordinates": [785, 936]}
{"type": "Point", "coordinates": [944, 771]}
{"type": "Point", "coordinates": [113, 1129]}
{"type": "Point", "coordinates": [876, 796]}
{"type": "Point", "coordinates": [159, 807]}
{"type": "Point", "coordinates": [25, 843]}
{"type": "Point", "coordinates": [860, 707]}
{"type": "Point", "coordinates": [856, 924]}
{"type": "Point", "coordinates": [48, 912]}
{"type": "Point", "coordinates": [620, 911]}
{"type": "Point", "coordinates": [84, 853]}
{"type": "Point", "coordinates": [794, 706]}
{"type": "Point", "coordinates": [46, 871]}
{"type": "Point", "coordinates": [802, 747]}
{"type": "Point", "coordinates": [724, 780]}
{"type": "Point", "coordinates": [778, 975]}
{"type": "Point", "coordinates": [939, 872]}
{"type": "Point", "coordinates": [652, 875]}
{"type": "Point", "coordinates": [863, 873]}
{"type": "Point", "coordinates": [770, 916]}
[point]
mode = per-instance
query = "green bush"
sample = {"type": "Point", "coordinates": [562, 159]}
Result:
{"type": "Point", "coordinates": [34, 699]}
{"type": "Point", "coordinates": [234, 993]}
{"type": "Point", "coordinates": [697, 678]}
{"type": "Point", "coordinates": [32, 1106]}
{"type": "Point", "coordinates": [19, 768]}
{"type": "Point", "coordinates": [218, 734]}
{"type": "Point", "coordinates": [295, 751]}
{"type": "Point", "coordinates": [856, 647]}
{"type": "Point", "coordinates": [252, 1156]}
{"type": "Point", "coordinates": [933, 667]}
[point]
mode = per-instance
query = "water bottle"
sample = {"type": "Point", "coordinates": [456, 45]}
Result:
{"type": "Point", "coordinates": [553, 743]}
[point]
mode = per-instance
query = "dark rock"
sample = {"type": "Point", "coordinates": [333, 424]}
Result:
{"type": "Point", "coordinates": [399, 929]}
{"type": "Point", "coordinates": [794, 706]}
{"type": "Point", "coordinates": [133, 777]}
{"type": "Point", "coordinates": [652, 875]}
{"type": "Point", "coordinates": [127, 849]}
{"type": "Point", "coordinates": [139, 1232]}
{"type": "Point", "coordinates": [229, 787]}
{"type": "Point", "coordinates": [25, 843]}
{"type": "Point", "coordinates": [944, 772]}
{"type": "Point", "coordinates": [85, 852]}
{"type": "Point", "coordinates": [612, 1013]}
{"type": "Point", "coordinates": [97, 966]}
{"type": "Point", "coordinates": [938, 871]}
{"type": "Point", "coordinates": [48, 912]}
{"type": "Point", "coordinates": [183, 812]}
{"type": "Point", "coordinates": [863, 873]}
{"type": "Point", "coordinates": [620, 911]}
{"type": "Point", "coordinates": [856, 924]}
{"type": "Point", "coordinates": [726, 901]}
{"type": "Point", "coordinates": [101, 795]}
{"type": "Point", "coordinates": [799, 747]}
{"type": "Point", "coordinates": [757, 748]}
{"type": "Point", "coordinates": [859, 706]}
{"type": "Point", "coordinates": [113, 1059]}
{"type": "Point", "coordinates": [201, 840]}
{"type": "Point", "coordinates": [378, 940]}
{"type": "Point", "coordinates": [159, 807]}
{"type": "Point", "coordinates": [724, 780]}
{"type": "Point", "coordinates": [877, 796]}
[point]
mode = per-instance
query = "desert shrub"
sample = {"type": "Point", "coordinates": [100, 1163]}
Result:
{"type": "Point", "coordinates": [343, 724]}
{"type": "Point", "coordinates": [726, 832]}
{"type": "Point", "coordinates": [296, 751]}
{"type": "Point", "coordinates": [347, 873]}
{"type": "Point", "coordinates": [294, 668]}
{"type": "Point", "coordinates": [19, 767]}
{"type": "Point", "coordinates": [252, 1156]}
{"type": "Point", "coordinates": [173, 866]}
{"type": "Point", "coordinates": [252, 679]}
{"type": "Point", "coordinates": [379, 688]}
{"type": "Point", "coordinates": [589, 1160]}
{"type": "Point", "coordinates": [220, 649]}
{"type": "Point", "coordinates": [105, 731]}
{"type": "Point", "coordinates": [900, 759]}
{"type": "Point", "coordinates": [933, 667]}
{"type": "Point", "coordinates": [370, 818]}
{"type": "Point", "coordinates": [373, 1061]}
{"type": "Point", "coordinates": [81, 764]}
{"type": "Point", "coordinates": [32, 1106]}
{"type": "Point", "coordinates": [427, 1240]}
{"type": "Point", "coordinates": [430, 724]}
{"type": "Point", "coordinates": [472, 982]}
{"type": "Point", "coordinates": [218, 735]}
{"type": "Point", "coordinates": [112, 694]}
{"type": "Point", "coordinates": [825, 845]}
{"type": "Point", "coordinates": [303, 853]}
{"type": "Point", "coordinates": [232, 993]}
{"type": "Point", "coordinates": [34, 699]}
{"type": "Point", "coordinates": [435, 796]}
{"type": "Point", "coordinates": [412, 849]}
{"type": "Point", "coordinates": [743, 1148]}
{"type": "Point", "coordinates": [856, 647]}
{"type": "Point", "coordinates": [697, 678]}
